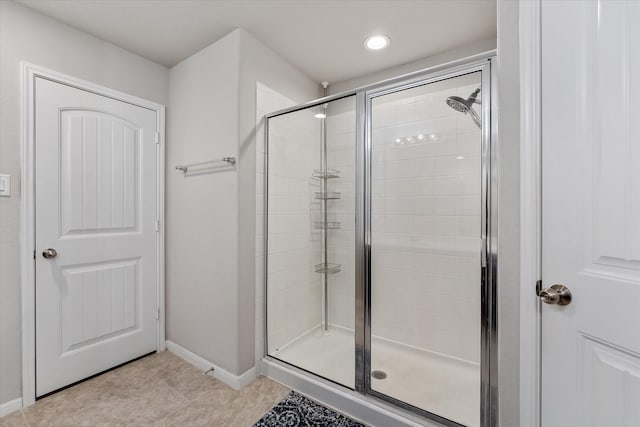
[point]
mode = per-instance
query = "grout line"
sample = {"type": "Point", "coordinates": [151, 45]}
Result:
{"type": "Point", "coordinates": [164, 383]}
{"type": "Point", "coordinates": [24, 417]}
{"type": "Point", "coordinates": [166, 417]}
{"type": "Point", "coordinates": [167, 386]}
{"type": "Point", "coordinates": [161, 382]}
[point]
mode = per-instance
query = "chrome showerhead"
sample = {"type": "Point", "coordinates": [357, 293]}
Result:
{"type": "Point", "coordinates": [465, 105]}
{"type": "Point", "coordinates": [458, 104]}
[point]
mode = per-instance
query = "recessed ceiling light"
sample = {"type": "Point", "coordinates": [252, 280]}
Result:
{"type": "Point", "coordinates": [376, 42]}
{"type": "Point", "coordinates": [320, 115]}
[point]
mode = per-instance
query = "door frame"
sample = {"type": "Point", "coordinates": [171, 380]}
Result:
{"type": "Point", "coordinates": [530, 77]}
{"type": "Point", "coordinates": [28, 209]}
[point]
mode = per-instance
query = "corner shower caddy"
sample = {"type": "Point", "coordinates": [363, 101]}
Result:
{"type": "Point", "coordinates": [324, 174]}
{"type": "Point", "coordinates": [324, 195]}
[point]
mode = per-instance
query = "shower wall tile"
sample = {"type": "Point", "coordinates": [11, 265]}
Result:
{"type": "Point", "coordinates": [341, 150]}
{"type": "Point", "coordinates": [425, 222]}
{"type": "Point", "coordinates": [293, 287]}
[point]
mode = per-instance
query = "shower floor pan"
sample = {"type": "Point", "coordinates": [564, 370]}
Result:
{"type": "Point", "coordinates": [439, 384]}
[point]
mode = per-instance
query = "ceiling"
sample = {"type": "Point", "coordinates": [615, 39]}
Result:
{"type": "Point", "coordinates": [324, 38]}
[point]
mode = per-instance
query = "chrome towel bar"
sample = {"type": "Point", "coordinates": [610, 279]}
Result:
{"type": "Point", "coordinates": [185, 168]}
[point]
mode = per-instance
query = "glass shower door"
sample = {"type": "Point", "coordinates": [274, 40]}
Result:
{"type": "Point", "coordinates": [310, 235]}
{"type": "Point", "coordinates": [426, 236]}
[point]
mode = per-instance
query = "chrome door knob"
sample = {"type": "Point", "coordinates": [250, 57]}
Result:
{"type": "Point", "coordinates": [555, 294]}
{"type": "Point", "coordinates": [49, 253]}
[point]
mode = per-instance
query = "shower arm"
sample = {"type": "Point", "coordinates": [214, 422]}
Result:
{"type": "Point", "coordinates": [475, 117]}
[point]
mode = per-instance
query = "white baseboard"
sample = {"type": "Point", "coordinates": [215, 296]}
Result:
{"type": "Point", "coordinates": [236, 382]}
{"type": "Point", "coordinates": [10, 407]}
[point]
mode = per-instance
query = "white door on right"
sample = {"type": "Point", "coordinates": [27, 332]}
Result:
{"type": "Point", "coordinates": [591, 212]}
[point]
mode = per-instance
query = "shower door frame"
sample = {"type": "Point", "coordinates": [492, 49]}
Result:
{"type": "Point", "coordinates": [363, 179]}
{"type": "Point", "coordinates": [489, 337]}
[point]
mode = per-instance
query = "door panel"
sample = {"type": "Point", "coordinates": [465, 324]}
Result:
{"type": "Point", "coordinates": [426, 237]}
{"type": "Point", "coordinates": [96, 205]}
{"type": "Point", "coordinates": [101, 302]}
{"type": "Point", "coordinates": [591, 212]}
{"type": "Point", "coordinates": [609, 384]}
{"type": "Point", "coordinates": [99, 182]}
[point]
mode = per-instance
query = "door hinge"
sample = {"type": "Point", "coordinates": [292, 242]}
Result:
{"type": "Point", "coordinates": [157, 138]}
{"type": "Point", "coordinates": [538, 287]}
{"type": "Point", "coordinates": [157, 225]}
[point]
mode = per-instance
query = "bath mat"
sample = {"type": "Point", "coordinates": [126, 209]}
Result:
{"type": "Point", "coordinates": [298, 411]}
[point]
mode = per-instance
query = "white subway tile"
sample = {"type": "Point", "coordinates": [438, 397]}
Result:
{"type": "Point", "coordinates": [469, 143]}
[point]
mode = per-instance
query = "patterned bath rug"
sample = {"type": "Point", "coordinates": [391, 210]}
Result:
{"type": "Point", "coordinates": [298, 411]}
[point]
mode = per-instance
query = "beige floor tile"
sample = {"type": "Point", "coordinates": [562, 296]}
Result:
{"type": "Point", "coordinates": [195, 415]}
{"type": "Point", "coordinates": [112, 399]}
{"type": "Point", "coordinates": [260, 396]}
{"type": "Point", "coordinates": [158, 390]}
{"type": "Point", "coordinates": [189, 381]}
{"type": "Point", "coordinates": [222, 406]}
{"type": "Point", "coordinates": [71, 407]}
{"type": "Point", "coordinates": [13, 420]}
{"type": "Point", "coordinates": [149, 403]}
{"type": "Point", "coordinates": [158, 365]}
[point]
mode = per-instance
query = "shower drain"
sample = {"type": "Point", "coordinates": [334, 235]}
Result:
{"type": "Point", "coordinates": [379, 375]}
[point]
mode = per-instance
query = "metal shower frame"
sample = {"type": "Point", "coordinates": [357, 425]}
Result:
{"type": "Point", "coordinates": [484, 63]}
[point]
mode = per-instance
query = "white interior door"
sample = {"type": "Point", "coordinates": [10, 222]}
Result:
{"type": "Point", "coordinates": [96, 206]}
{"type": "Point", "coordinates": [591, 212]}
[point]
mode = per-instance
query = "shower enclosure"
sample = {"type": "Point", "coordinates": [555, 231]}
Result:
{"type": "Point", "coordinates": [379, 254]}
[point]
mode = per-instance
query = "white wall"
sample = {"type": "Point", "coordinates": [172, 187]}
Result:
{"type": "Point", "coordinates": [211, 287]}
{"type": "Point", "coordinates": [202, 210]}
{"type": "Point", "coordinates": [26, 35]}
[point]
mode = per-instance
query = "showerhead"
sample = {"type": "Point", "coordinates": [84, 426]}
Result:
{"type": "Point", "coordinates": [458, 104]}
{"type": "Point", "coordinates": [465, 105]}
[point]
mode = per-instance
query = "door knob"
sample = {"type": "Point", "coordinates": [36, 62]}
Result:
{"type": "Point", "coordinates": [49, 253]}
{"type": "Point", "coordinates": [555, 294]}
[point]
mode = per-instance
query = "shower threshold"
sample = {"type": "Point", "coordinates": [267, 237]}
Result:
{"type": "Point", "coordinates": [443, 385]}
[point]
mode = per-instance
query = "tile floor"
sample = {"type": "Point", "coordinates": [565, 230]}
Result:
{"type": "Point", "coordinates": [158, 390]}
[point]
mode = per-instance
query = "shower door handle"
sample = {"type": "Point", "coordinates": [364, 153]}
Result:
{"type": "Point", "coordinates": [555, 294]}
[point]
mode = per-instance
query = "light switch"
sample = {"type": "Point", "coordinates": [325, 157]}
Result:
{"type": "Point", "coordinates": [5, 185]}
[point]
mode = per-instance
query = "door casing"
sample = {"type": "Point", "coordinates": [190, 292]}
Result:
{"type": "Point", "coordinates": [28, 210]}
{"type": "Point", "coordinates": [530, 211]}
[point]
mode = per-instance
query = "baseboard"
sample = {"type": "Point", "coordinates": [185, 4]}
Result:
{"type": "Point", "coordinates": [10, 407]}
{"type": "Point", "coordinates": [236, 382]}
